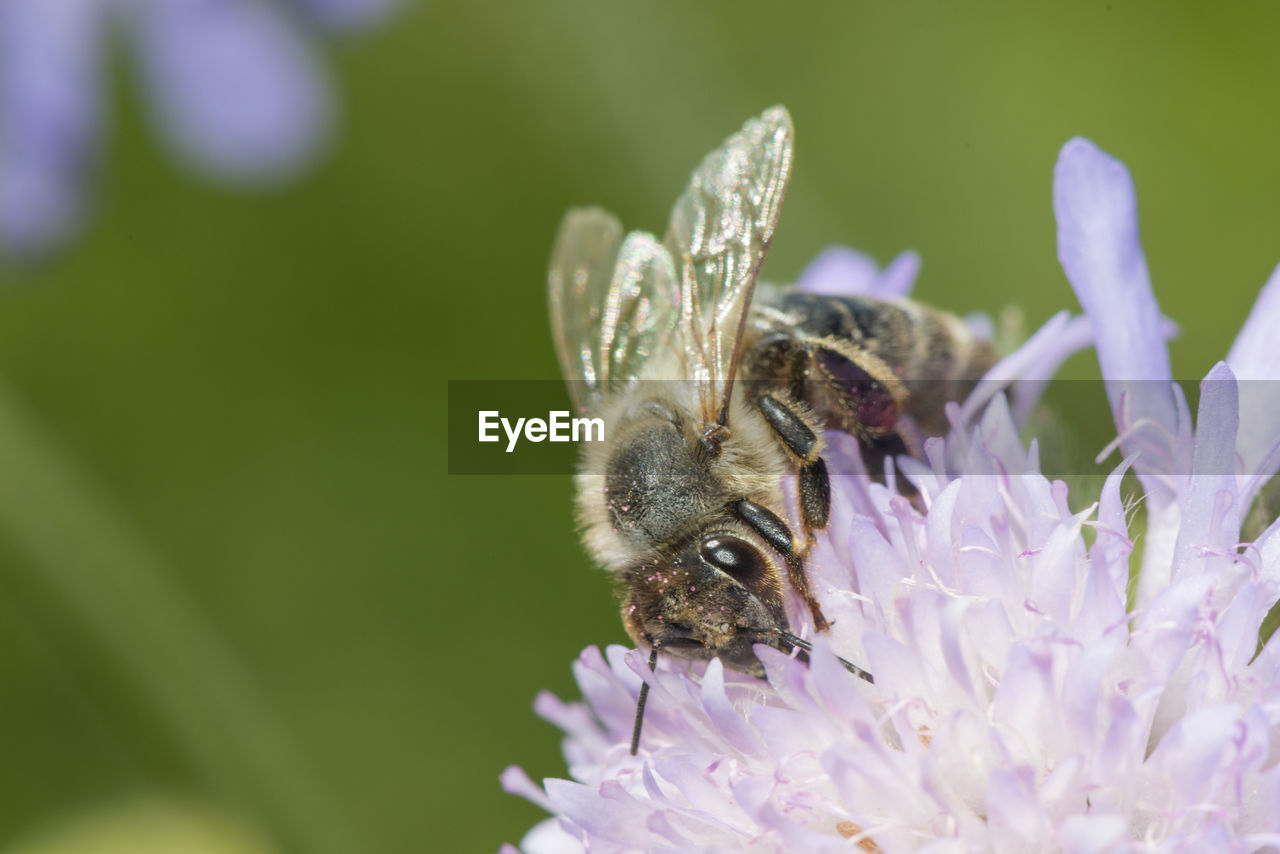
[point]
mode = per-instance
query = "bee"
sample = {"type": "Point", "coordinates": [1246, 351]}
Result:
{"type": "Point", "coordinates": [683, 502]}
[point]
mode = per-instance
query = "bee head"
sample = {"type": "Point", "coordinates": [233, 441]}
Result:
{"type": "Point", "coordinates": [715, 598]}
{"type": "Point", "coordinates": [698, 603]}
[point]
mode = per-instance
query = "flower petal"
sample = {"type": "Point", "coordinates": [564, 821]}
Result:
{"type": "Point", "coordinates": [607, 812]}
{"type": "Point", "coordinates": [899, 277]}
{"type": "Point", "coordinates": [516, 782]}
{"type": "Point", "coordinates": [1014, 816]}
{"type": "Point", "coordinates": [1092, 834]}
{"type": "Point", "coordinates": [843, 272]}
{"type": "Point", "coordinates": [1028, 369]}
{"type": "Point", "coordinates": [550, 837]}
{"type": "Point", "coordinates": [839, 271]}
{"type": "Point", "coordinates": [235, 89]}
{"type": "Point", "coordinates": [1255, 360]}
{"type": "Point", "coordinates": [1213, 473]}
{"type": "Point", "coordinates": [1098, 247]}
{"type": "Point", "coordinates": [1193, 756]}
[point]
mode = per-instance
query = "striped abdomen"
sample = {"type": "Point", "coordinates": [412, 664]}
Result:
{"type": "Point", "coordinates": [851, 348]}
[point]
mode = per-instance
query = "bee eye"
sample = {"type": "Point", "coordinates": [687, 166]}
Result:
{"type": "Point", "coordinates": [734, 556]}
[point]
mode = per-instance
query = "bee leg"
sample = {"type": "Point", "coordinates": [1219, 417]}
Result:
{"type": "Point", "coordinates": [801, 440]}
{"type": "Point", "coordinates": [815, 496]}
{"type": "Point", "coordinates": [793, 430]}
{"type": "Point", "coordinates": [769, 525]}
{"type": "Point", "coordinates": [859, 392]}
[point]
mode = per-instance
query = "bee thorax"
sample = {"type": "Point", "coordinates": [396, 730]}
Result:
{"type": "Point", "coordinates": [655, 485]}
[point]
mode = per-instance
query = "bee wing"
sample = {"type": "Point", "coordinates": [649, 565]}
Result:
{"type": "Point", "coordinates": [720, 230]}
{"type": "Point", "coordinates": [612, 301]}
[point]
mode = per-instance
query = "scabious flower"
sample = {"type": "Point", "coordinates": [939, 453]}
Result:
{"type": "Point", "coordinates": [1021, 702]}
{"type": "Point", "coordinates": [234, 88]}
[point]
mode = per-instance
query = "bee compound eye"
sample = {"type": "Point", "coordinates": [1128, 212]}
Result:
{"type": "Point", "coordinates": [734, 556]}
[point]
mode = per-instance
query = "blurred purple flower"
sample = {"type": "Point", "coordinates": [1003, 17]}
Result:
{"type": "Point", "coordinates": [235, 89]}
{"type": "Point", "coordinates": [840, 271]}
{"type": "Point", "coordinates": [1019, 704]}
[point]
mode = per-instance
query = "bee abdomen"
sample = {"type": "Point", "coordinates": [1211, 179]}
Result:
{"type": "Point", "coordinates": [932, 353]}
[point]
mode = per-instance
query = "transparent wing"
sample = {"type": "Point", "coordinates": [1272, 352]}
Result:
{"type": "Point", "coordinates": [720, 230]}
{"type": "Point", "coordinates": [582, 262]}
{"type": "Point", "coordinates": [612, 302]}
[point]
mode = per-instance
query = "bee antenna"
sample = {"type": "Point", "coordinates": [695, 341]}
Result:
{"type": "Point", "coordinates": [804, 646]}
{"type": "Point", "coordinates": [644, 688]}
{"type": "Point", "coordinates": [644, 698]}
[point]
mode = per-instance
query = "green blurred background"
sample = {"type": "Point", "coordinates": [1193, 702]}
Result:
{"type": "Point", "coordinates": [233, 566]}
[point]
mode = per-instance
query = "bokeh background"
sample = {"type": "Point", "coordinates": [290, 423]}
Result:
{"type": "Point", "coordinates": [241, 598]}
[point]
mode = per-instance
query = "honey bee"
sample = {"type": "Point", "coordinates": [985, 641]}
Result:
{"type": "Point", "coordinates": [683, 502]}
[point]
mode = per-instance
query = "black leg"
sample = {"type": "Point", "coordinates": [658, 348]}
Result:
{"type": "Point", "coordinates": [776, 533]}
{"type": "Point", "coordinates": [815, 495]}
{"type": "Point", "coordinates": [799, 438]}
{"type": "Point", "coordinates": [790, 428]}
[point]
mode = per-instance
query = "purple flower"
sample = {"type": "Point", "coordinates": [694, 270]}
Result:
{"type": "Point", "coordinates": [1019, 704]}
{"type": "Point", "coordinates": [840, 271]}
{"type": "Point", "coordinates": [235, 90]}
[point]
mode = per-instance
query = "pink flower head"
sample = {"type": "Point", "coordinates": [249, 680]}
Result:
{"type": "Point", "coordinates": [1020, 702]}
